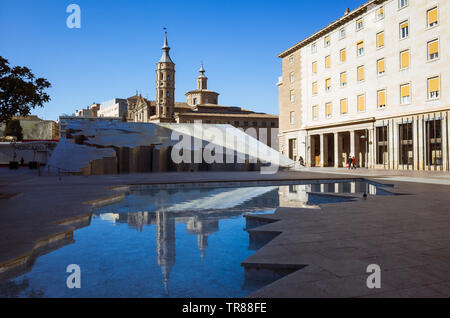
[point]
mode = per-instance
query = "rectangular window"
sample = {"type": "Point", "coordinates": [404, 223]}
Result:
{"type": "Point", "coordinates": [342, 33]}
{"type": "Point", "coordinates": [380, 39]}
{"type": "Point", "coordinates": [433, 49]}
{"type": "Point", "coordinates": [291, 77]}
{"type": "Point", "coordinates": [328, 110]}
{"type": "Point", "coordinates": [432, 16]}
{"type": "Point", "coordinates": [433, 142]}
{"type": "Point", "coordinates": [313, 48]}
{"type": "Point", "coordinates": [433, 87]}
{"type": "Point", "coordinates": [359, 24]}
{"type": "Point", "coordinates": [361, 103]}
{"type": "Point", "coordinates": [404, 29]}
{"type": "Point", "coordinates": [291, 59]}
{"type": "Point", "coordinates": [344, 106]}
{"type": "Point", "coordinates": [328, 61]}
{"type": "Point", "coordinates": [404, 59]}
{"type": "Point", "coordinates": [360, 73]}
{"type": "Point", "coordinates": [314, 67]}
{"type": "Point", "coordinates": [402, 3]}
{"type": "Point", "coordinates": [327, 41]}
{"type": "Point", "coordinates": [343, 79]}
{"type": "Point", "coordinates": [292, 96]}
{"type": "Point", "coordinates": [406, 153]}
{"type": "Point", "coordinates": [380, 13]}
{"type": "Point", "coordinates": [405, 94]}
{"type": "Point", "coordinates": [315, 112]}
{"type": "Point", "coordinates": [343, 55]}
{"type": "Point", "coordinates": [292, 118]}
{"type": "Point", "coordinates": [314, 88]}
{"type": "Point", "coordinates": [360, 48]}
{"type": "Point", "coordinates": [381, 98]}
{"type": "Point", "coordinates": [382, 145]}
{"type": "Point", "coordinates": [381, 68]}
{"type": "Point", "coordinates": [328, 84]}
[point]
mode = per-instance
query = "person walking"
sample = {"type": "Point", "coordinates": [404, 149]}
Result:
{"type": "Point", "coordinates": [354, 162]}
{"type": "Point", "coordinates": [349, 163]}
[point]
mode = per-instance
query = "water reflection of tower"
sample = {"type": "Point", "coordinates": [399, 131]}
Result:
{"type": "Point", "coordinates": [202, 228]}
{"type": "Point", "coordinates": [165, 245]}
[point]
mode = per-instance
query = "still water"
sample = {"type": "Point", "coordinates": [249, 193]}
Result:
{"type": "Point", "coordinates": [186, 242]}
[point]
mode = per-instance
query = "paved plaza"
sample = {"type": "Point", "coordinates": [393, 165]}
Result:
{"type": "Point", "coordinates": [407, 235]}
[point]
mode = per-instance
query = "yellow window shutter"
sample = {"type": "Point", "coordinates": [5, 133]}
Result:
{"type": "Point", "coordinates": [343, 106]}
{"type": "Point", "coordinates": [327, 61]}
{"type": "Point", "coordinates": [404, 59]}
{"type": "Point", "coordinates": [381, 67]}
{"type": "Point", "coordinates": [314, 67]}
{"type": "Point", "coordinates": [315, 88]}
{"type": "Point", "coordinates": [327, 40]}
{"type": "Point", "coordinates": [328, 83]}
{"type": "Point", "coordinates": [343, 55]}
{"type": "Point", "coordinates": [404, 25]}
{"type": "Point", "coordinates": [405, 90]}
{"type": "Point", "coordinates": [381, 98]}
{"type": "Point", "coordinates": [314, 111]}
{"type": "Point", "coordinates": [433, 84]}
{"type": "Point", "coordinates": [380, 11]}
{"type": "Point", "coordinates": [361, 102]}
{"type": "Point", "coordinates": [380, 39]}
{"type": "Point", "coordinates": [433, 47]}
{"type": "Point", "coordinates": [328, 106]}
{"type": "Point", "coordinates": [432, 16]}
{"type": "Point", "coordinates": [361, 73]}
{"type": "Point", "coordinates": [343, 78]}
{"type": "Point", "coordinates": [360, 45]}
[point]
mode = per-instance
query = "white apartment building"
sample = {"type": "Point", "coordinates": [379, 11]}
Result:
{"type": "Point", "coordinates": [374, 85]}
{"type": "Point", "coordinates": [113, 108]}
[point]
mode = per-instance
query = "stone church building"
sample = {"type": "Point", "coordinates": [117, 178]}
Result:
{"type": "Point", "coordinates": [201, 104]}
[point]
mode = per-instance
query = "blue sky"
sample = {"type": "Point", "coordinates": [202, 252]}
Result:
{"type": "Point", "coordinates": [115, 51]}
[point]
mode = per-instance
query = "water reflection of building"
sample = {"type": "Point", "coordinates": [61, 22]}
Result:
{"type": "Point", "coordinates": [165, 245]}
{"type": "Point", "coordinates": [298, 195]}
{"type": "Point", "coordinates": [200, 209]}
{"type": "Point", "coordinates": [202, 228]}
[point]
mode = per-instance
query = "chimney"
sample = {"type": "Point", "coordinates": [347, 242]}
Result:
{"type": "Point", "coordinates": [347, 11]}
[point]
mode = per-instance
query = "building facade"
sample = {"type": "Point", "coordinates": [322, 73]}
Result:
{"type": "Point", "coordinates": [201, 105]}
{"type": "Point", "coordinates": [116, 107]}
{"type": "Point", "coordinates": [91, 111]}
{"type": "Point", "coordinates": [373, 85]}
{"type": "Point", "coordinates": [36, 129]}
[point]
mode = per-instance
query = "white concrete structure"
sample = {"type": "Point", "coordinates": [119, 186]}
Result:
{"type": "Point", "coordinates": [373, 84]}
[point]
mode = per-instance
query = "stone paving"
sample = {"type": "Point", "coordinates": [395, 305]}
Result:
{"type": "Point", "coordinates": [407, 235]}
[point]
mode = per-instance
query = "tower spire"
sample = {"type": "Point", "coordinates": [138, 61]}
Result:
{"type": "Point", "coordinates": [165, 58]}
{"type": "Point", "coordinates": [202, 80]}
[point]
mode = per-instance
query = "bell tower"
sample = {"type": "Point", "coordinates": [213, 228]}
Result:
{"type": "Point", "coordinates": [165, 85]}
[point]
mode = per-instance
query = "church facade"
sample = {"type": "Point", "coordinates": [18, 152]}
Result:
{"type": "Point", "coordinates": [201, 104]}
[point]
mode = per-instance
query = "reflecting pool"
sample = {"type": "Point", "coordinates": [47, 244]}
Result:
{"type": "Point", "coordinates": [171, 242]}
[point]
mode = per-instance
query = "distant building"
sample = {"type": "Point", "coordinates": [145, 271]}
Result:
{"type": "Point", "coordinates": [113, 108]}
{"type": "Point", "coordinates": [36, 129]}
{"type": "Point", "coordinates": [91, 111]}
{"type": "Point", "coordinates": [201, 104]}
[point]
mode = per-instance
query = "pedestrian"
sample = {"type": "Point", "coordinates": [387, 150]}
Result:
{"type": "Point", "coordinates": [22, 162]}
{"type": "Point", "coordinates": [354, 162]}
{"type": "Point", "coordinates": [349, 163]}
